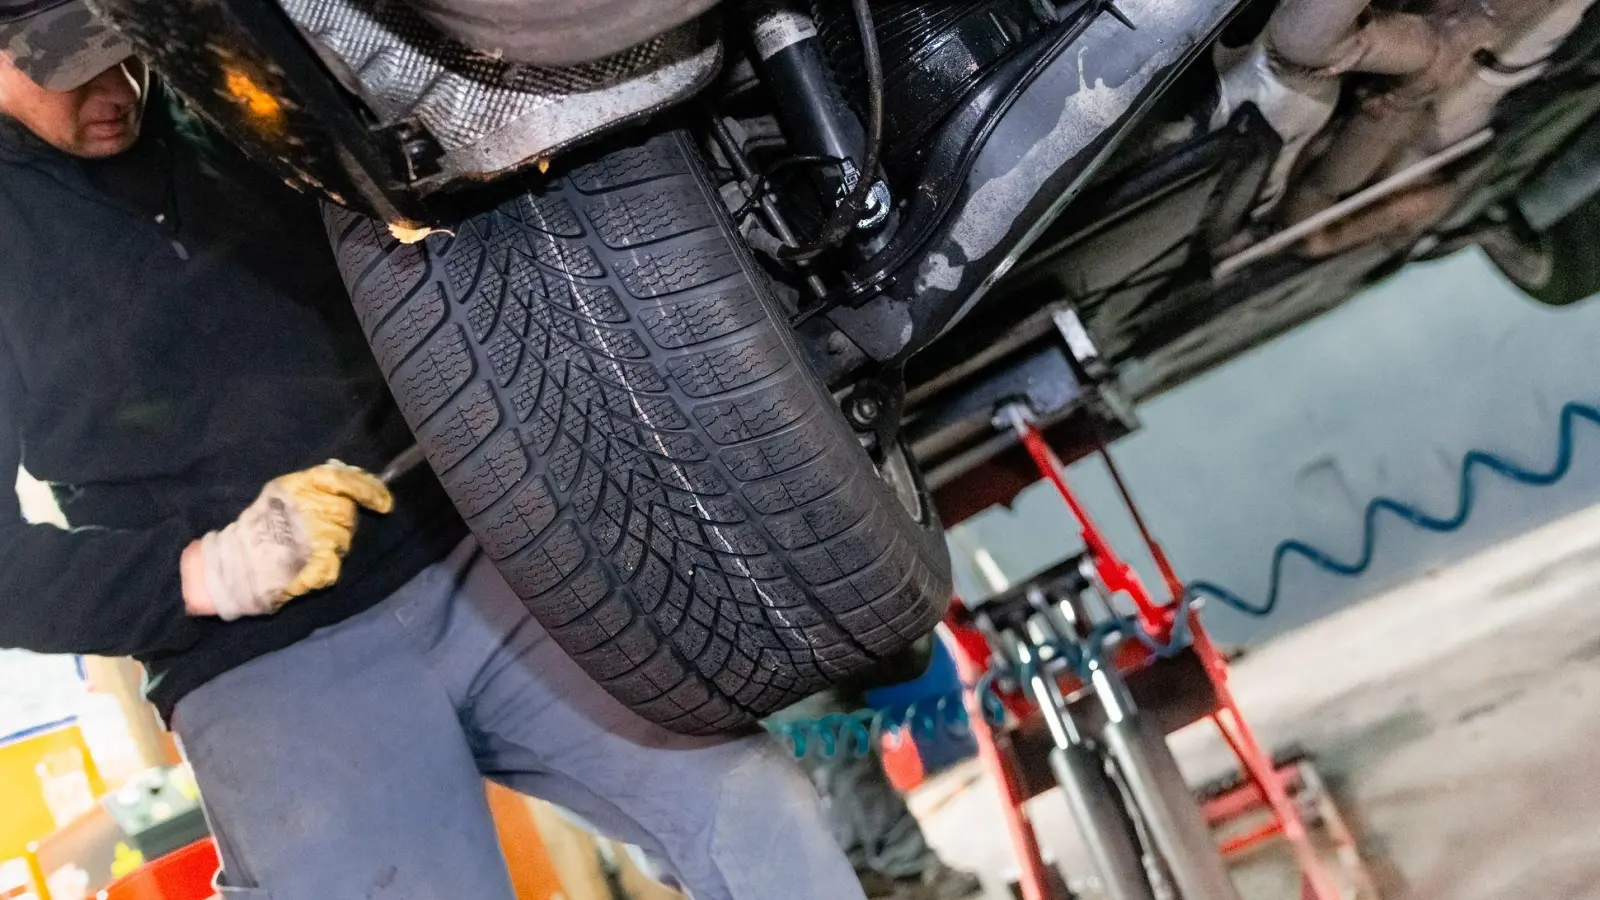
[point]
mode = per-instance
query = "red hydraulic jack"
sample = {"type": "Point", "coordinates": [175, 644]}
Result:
{"type": "Point", "coordinates": [977, 638]}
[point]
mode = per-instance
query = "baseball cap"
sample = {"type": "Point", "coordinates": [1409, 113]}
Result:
{"type": "Point", "coordinates": [60, 44]}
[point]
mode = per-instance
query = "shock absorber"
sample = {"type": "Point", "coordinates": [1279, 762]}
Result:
{"type": "Point", "coordinates": [815, 116]}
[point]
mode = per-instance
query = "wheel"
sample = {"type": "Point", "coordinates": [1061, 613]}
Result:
{"type": "Point", "coordinates": [1574, 244]}
{"type": "Point", "coordinates": [600, 375]}
{"type": "Point", "coordinates": [1559, 267]}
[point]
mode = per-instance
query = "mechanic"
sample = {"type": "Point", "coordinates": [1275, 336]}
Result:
{"type": "Point", "coordinates": [342, 665]}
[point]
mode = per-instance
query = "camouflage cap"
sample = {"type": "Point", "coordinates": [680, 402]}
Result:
{"type": "Point", "coordinates": [59, 44]}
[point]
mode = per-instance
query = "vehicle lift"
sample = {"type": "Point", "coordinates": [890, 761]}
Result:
{"type": "Point", "coordinates": [1098, 728]}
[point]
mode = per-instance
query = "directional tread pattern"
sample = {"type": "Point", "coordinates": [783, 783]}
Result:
{"type": "Point", "coordinates": [597, 372]}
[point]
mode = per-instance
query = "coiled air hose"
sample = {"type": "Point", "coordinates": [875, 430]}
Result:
{"type": "Point", "coordinates": [859, 732]}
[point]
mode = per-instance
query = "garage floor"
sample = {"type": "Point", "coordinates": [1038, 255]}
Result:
{"type": "Point", "coordinates": [1457, 720]}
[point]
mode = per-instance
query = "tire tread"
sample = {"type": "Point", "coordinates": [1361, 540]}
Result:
{"type": "Point", "coordinates": [599, 374]}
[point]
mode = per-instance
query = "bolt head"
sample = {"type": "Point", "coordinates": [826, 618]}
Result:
{"type": "Point", "coordinates": [865, 410]}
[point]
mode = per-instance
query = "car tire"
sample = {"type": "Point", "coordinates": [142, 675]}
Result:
{"type": "Point", "coordinates": [602, 379]}
{"type": "Point", "coordinates": [1559, 267]}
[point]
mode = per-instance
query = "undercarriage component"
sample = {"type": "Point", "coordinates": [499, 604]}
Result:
{"type": "Point", "coordinates": [1435, 103]}
{"type": "Point", "coordinates": [933, 55]}
{"type": "Point", "coordinates": [433, 113]}
{"type": "Point", "coordinates": [820, 123]}
{"type": "Point", "coordinates": [1445, 67]}
{"type": "Point", "coordinates": [488, 115]}
{"type": "Point", "coordinates": [1120, 251]}
{"type": "Point", "coordinates": [557, 32]}
{"type": "Point", "coordinates": [1566, 185]}
{"type": "Point", "coordinates": [1339, 36]}
{"type": "Point", "coordinates": [1519, 59]}
{"type": "Point", "coordinates": [1298, 103]}
{"type": "Point", "coordinates": [1395, 223]}
{"type": "Point", "coordinates": [1329, 39]}
{"type": "Point", "coordinates": [1294, 70]}
{"type": "Point", "coordinates": [1404, 179]}
{"type": "Point", "coordinates": [1047, 362]}
{"type": "Point", "coordinates": [1004, 164]}
{"type": "Point", "coordinates": [1365, 144]}
{"type": "Point", "coordinates": [1558, 267]}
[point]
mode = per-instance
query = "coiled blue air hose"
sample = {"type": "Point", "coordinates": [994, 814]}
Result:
{"type": "Point", "coordinates": [1466, 496]}
{"type": "Point", "coordinates": [859, 732]}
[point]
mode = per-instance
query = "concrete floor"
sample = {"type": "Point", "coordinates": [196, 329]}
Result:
{"type": "Point", "coordinates": [1456, 719]}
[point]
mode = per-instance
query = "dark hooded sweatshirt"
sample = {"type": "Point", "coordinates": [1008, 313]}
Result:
{"type": "Point", "coordinates": [174, 334]}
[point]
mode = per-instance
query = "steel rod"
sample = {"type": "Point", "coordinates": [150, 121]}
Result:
{"type": "Point", "coordinates": [1404, 178]}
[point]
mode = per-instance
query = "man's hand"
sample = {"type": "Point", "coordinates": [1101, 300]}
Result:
{"type": "Point", "coordinates": [289, 542]}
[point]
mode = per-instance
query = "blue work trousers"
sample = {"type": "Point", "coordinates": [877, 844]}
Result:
{"type": "Point", "coordinates": [350, 765]}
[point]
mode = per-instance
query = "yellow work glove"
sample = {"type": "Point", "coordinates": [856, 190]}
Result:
{"type": "Point", "coordinates": [290, 541]}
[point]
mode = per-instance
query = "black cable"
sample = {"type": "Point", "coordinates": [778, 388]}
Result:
{"type": "Point", "coordinates": [763, 182]}
{"type": "Point", "coordinates": [853, 206]}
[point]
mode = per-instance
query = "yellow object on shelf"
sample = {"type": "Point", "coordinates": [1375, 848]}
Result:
{"type": "Point", "coordinates": [127, 860]}
{"type": "Point", "coordinates": [42, 776]}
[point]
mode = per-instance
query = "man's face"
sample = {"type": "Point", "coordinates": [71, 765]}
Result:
{"type": "Point", "coordinates": [96, 120]}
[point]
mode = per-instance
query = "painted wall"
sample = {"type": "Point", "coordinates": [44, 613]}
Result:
{"type": "Point", "coordinates": [1381, 396]}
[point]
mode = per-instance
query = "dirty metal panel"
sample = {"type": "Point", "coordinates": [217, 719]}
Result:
{"type": "Point", "coordinates": [488, 115]}
{"type": "Point", "coordinates": [1051, 138]}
